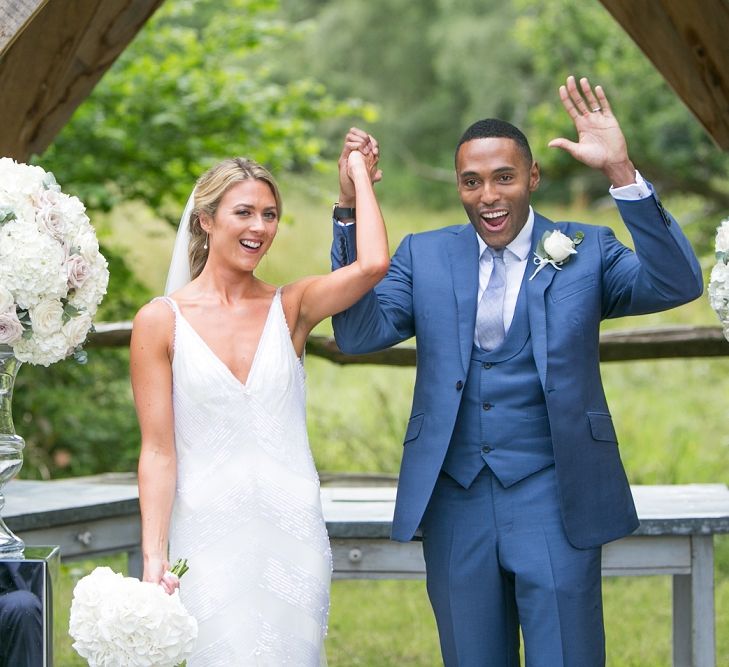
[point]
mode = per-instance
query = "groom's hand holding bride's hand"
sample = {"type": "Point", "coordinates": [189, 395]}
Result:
{"type": "Point", "coordinates": [366, 144]}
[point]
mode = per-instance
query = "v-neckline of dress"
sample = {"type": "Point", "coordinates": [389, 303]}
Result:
{"type": "Point", "coordinates": [232, 375]}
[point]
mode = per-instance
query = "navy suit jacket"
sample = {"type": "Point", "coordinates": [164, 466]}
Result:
{"type": "Point", "coordinates": [430, 292]}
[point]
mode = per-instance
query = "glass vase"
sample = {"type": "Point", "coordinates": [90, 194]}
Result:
{"type": "Point", "coordinates": [11, 447]}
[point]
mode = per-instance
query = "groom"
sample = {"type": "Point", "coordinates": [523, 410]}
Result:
{"type": "Point", "coordinates": [510, 465]}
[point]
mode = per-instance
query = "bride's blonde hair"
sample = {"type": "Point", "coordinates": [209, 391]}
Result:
{"type": "Point", "coordinates": [209, 190]}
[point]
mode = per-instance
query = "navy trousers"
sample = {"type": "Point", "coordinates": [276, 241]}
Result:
{"type": "Point", "coordinates": [498, 559]}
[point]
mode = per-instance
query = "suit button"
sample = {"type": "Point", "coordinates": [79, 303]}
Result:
{"type": "Point", "coordinates": [487, 406]}
{"type": "Point", "coordinates": [487, 364]}
{"type": "Point", "coordinates": [459, 385]}
{"type": "Point", "coordinates": [486, 449]}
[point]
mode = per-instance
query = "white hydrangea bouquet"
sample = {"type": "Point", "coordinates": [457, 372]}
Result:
{"type": "Point", "coordinates": [52, 275]}
{"type": "Point", "coordinates": [119, 621]}
{"type": "Point", "coordinates": [719, 281]}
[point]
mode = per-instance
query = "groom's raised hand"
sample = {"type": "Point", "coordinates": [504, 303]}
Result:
{"type": "Point", "coordinates": [601, 144]}
{"type": "Point", "coordinates": [356, 140]}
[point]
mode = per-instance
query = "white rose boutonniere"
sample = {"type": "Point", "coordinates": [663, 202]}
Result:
{"type": "Point", "coordinates": [555, 249]}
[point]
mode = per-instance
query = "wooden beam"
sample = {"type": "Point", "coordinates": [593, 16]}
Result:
{"type": "Point", "coordinates": [15, 15]}
{"type": "Point", "coordinates": [688, 42]}
{"type": "Point", "coordinates": [54, 63]}
{"type": "Point", "coordinates": [631, 345]}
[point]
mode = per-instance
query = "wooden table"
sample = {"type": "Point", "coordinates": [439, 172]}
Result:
{"type": "Point", "coordinates": [675, 537]}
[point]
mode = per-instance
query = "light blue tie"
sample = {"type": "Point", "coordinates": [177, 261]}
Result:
{"type": "Point", "coordinates": [490, 315]}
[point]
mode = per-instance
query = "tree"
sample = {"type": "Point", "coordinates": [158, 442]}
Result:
{"type": "Point", "coordinates": [195, 86]}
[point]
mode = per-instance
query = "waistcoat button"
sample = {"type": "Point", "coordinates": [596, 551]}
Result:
{"type": "Point", "coordinates": [487, 364]}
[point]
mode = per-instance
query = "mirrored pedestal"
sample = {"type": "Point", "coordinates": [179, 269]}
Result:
{"type": "Point", "coordinates": [26, 607]}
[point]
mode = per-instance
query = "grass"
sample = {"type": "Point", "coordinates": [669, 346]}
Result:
{"type": "Point", "coordinates": [671, 418]}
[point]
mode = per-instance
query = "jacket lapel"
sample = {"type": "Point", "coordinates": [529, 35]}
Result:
{"type": "Point", "coordinates": [536, 294]}
{"type": "Point", "coordinates": [463, 255]}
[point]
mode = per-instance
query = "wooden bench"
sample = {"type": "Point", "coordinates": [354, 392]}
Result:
{"type": "Point", "coordinates": [90, 518]}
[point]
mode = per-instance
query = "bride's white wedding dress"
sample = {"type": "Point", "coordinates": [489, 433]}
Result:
{"type": "Point", "coordinates": [247, 512]}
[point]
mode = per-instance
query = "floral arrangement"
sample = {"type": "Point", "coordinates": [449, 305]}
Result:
{"type": "Point", "coordinates": [555, 249]}
{"type": "Point", "coordinates": [719, 280]}
{"type": "Point", "coordinates": [119, 621]}
{"type": "Point", "coordinates": [52, 275]}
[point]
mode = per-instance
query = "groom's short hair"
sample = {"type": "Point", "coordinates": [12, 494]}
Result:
{"type": "Point", "coordinates": [495, 127]}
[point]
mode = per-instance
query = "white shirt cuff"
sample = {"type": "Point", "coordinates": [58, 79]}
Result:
{"type": "Point", "coordinates": [342, 224]}
{"type": "Point", "coordinates": [633, 191]}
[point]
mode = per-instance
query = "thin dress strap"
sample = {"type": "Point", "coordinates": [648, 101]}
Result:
{"type": "Point", "coordinates": [170, 302]}
{"type": "Point", "coordinates": [176, 310]}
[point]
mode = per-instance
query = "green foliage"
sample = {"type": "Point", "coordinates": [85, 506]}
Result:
{"type": "Point", "coordinates": [434, 67]}
{"type": "Point", "coordinates": [667, 144]}
{"type": "Point", "coordinates": [194, 87]}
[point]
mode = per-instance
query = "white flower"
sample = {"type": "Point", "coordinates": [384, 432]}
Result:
{"type": "Point", "coordinates": [42, 350]}
{"type": "Point", "coordinates": [6, 300]}
{"type": "Point", "coordinates": [558, 246]}
{"type": "Point", "coordinates": [76, 329]}
{"type": "Point", "coordinates": [555, 249]}
{"type": "Point", "coordinates": [47, 317]}
{"type": "Point", "coordinates": [31, 264]}
{"type": "Point", "coordinates": [122, 622]}
{"type": "Point", "coordinates": [719, 281]}
{"type": "Point", "coordinates": [722, 237]}
{"type": "Point", "coordinates": [10, 328]}
{"type": "Point", "coordinates": [49, 256]}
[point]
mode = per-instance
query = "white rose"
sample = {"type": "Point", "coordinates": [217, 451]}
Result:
{"type": "Point", "coordinates": [46, 318]}
{"type": "Point", "coordinates": [558, 246]}
{"type": "Point", "coordinates": [6, 300]}
{"type": "Point", "coordinates": [76, 329]}
{"type": "Point", "coordinates": [11, 330]}
{"type": "Point", "coordinates": [77, 270]}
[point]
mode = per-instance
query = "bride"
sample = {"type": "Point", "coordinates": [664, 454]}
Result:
{"type": "Point", "coordinates": [226, 477]}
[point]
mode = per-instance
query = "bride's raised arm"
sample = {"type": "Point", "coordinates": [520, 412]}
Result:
{"type": "Point", "coordinates": [311, 300]}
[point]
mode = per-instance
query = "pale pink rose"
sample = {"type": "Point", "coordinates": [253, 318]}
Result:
{"type": "Point", "coordinates": [77, 270]}
{"type": "Point", "coordinates": [11, 330]}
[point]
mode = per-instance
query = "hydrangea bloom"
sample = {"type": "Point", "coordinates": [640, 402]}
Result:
{"type": "Point", "coordinates": [119, 621]}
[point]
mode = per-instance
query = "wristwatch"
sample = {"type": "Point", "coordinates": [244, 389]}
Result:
{"type": "Point", "coordinates": [342, 213]}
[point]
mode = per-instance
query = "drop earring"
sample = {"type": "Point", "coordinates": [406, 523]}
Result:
{"type": "Point", "coordinates": [205, 247]}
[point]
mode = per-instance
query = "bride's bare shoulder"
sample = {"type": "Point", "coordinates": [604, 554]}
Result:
{"type": "Point", "coordinates": [154, 318]}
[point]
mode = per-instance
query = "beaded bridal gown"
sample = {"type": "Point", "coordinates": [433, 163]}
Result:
{"type": "Point", "coordinates": [247, 513]}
